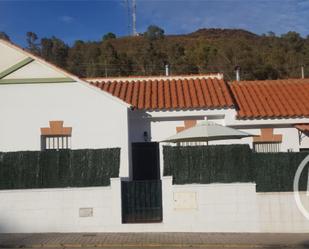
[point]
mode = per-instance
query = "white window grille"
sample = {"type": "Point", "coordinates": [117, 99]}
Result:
{"type": "Point", "coordinates": [55, 142]}
{"type": "Point", "coordinates": [267, 147]}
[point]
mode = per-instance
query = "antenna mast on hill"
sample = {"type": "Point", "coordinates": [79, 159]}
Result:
{"type": "Point", "coordinates": [128, 15]}
{"type": "Point", "coordinates": [131, 12]}
{"type": "Point", "coordinates": [134, 33]}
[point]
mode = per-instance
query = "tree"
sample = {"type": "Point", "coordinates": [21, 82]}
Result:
{"type": "Point", "coordinates": [75, 61]}
{"type": "Point", "coordinates": [4, 36]}
{"type": "Point", "coordinates": [203, 55]}
{"type": "Point", "coordinates": [54, 50]}
{"type": "Point", "coordinates": [264, 72]}
{"type": "Point", "coordinates": [32, 38]}
{"type": "Point", "coordinates": [109, 60]}
{"type": "Point", "coordinates": [154, 33]}
{"type": "Point", "coordinates": [109, 36]}
{"type": "Point", "coordinates": [92, 60]}
{"type": "Point", "coordinates": [179, 61]}
{"type": "Point", "coordinates": [293, 40]}
{"type": "Point", "coordinates": [153, 60]}
{"type": "Point", "coordinates": [260, 57]}
{"type": "Point", "coordinates": [271, 34]}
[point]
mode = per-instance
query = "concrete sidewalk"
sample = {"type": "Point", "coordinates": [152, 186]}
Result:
{"type": "Point", "coordinates": [154, 240]}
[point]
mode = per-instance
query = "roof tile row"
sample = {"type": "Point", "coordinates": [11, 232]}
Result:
{"type": "Point", "coordinates": [252, 99]}
{"type": "Point", "coordinates": [171, 94]}
{"type": "Point", "coordinates": [272, 98]}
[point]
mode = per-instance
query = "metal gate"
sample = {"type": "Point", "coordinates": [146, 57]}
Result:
{"type": "Point", "coordinates": [141, 201]}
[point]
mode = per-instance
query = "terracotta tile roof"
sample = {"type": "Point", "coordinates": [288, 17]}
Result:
{"type": "Point", "coordinates": [168, 94]}
{"type": "Point", "coordinates": [157, 77]}
{"type": "Point", "coordinates": [302, 127]}
{"type": "Point", "coordinates": [271, 98]}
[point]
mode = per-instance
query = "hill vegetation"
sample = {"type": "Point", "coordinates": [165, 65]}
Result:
{"type": "Point", "coordinates": [266, 56]}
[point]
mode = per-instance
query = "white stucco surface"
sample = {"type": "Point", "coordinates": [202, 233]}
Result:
{"type": "Point", "coordinates": [9, 57]}
{"type": "Point", "coordinates": [278, 212]}
{"type": "Point", "coordinates": [232, 207]}
{"type": "Point", "coordinates": [97, 121]}
{"type": "Point", "coordinates": [57, 210]}
{"type": "Point", "coordinates": [35, 70]}
{"type": "Point", "coordinates": [161, 125]}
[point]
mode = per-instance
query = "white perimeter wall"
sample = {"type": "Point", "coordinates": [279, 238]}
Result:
{"type": "Point", "coordinates": [278, 212]}
{"type": "Point", "coordinates": [98, 121]}
{"type": "Point", "coordinates": [189, 208]}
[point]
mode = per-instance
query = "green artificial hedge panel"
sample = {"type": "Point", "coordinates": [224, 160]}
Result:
{"type": "Point", "coordinates": [274, 172]}
{"type": "Point", "coordinates": [233, 163]}
{"type": "Point", "coordinates": [207, 164]}
{"type": "Point", "coordinates": [56, 169]}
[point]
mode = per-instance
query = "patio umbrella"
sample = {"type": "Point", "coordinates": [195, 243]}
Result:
{"type": "Point", "coordinates": [207, 131]}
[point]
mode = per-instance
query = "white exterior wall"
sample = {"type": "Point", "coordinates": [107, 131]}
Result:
{"type": "Point", "coordinates": [285, 127]}
{"type": "Point", "coordinates": [57, 210]}
{"type": "Point", "coordinates": [211, 207]}
{"type": "Point", "coordinates": [278, 212]}
{"type": "Point", "coordinates": [232, 207]}
{"type": "Point", "coordinates": [161, 125]}
{"type": "Point", "coordinates": [290, 138]}
{"type": "Point", "coordinates": [98, 121]}
{"type": "Point", "coordinates": [9, 56]}
{"type": "Point", "coordinates": [34, 70]}
{"type": "Point", "coordinates": [304, 141]}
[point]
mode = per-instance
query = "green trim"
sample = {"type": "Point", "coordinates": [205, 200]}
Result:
{"type": "Point", "coordinates": [16, 67]}
{"type": "Point", "coordinates": [36, 80]}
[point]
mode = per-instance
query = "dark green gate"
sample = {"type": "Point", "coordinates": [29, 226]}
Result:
{"type": "Point", "coordinates": [141, 201]}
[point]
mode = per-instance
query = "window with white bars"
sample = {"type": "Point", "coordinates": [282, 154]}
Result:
{"type": "Point", "coordinates": [192, 144]}
{"type": "Point", "coordinates": [266, 147]}
{"type": "Point", "coordinates": [55, 142]}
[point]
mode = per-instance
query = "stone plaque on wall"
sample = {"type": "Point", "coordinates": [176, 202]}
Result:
{"type": "Point", "coordinates": [185, 200]}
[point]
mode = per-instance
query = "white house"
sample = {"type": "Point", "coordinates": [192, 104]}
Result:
{"type": "Point", "coordinates": [34, 94]}
{"type": "Point", "coordinates": [44, 107]}
{"type": "Point", "coordinates": [277, 111]}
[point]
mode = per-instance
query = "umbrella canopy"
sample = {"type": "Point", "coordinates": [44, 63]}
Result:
{"type": "Point", "coordinates": [207, 131]}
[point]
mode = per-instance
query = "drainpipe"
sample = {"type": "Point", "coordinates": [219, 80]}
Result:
{"type": "Point", "coordinates": [237, 70]}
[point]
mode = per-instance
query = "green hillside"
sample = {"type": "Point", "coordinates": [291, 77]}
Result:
{"type": "Point", "coordinates": [206, 50]}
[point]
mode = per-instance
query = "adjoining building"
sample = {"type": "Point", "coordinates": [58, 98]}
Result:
{"type": "Point", "coordinates": [43, 107]}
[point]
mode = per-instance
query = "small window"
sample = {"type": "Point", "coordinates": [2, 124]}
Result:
{"type": "Point", "coordinates": [56, 136]}
{"type": "Point", "coordinates": [55, 142]}
{"type": "Point", "coordinates": [266, 147]}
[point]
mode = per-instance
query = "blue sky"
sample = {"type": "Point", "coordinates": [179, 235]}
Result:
{"type": "Point", "coordinates": [71, 20]}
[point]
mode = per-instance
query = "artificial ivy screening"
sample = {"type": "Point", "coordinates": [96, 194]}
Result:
{"type": "Point", "coordinates": [58, 169]}
{"type": "Point", "coordinates": [272, 172]}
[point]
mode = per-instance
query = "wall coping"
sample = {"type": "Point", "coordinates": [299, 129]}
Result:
{"type": "Point", "coordinates": [68, 189]}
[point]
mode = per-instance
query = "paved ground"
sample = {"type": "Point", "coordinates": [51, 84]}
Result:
{"type": "Point", "coordinates": [154, 240]}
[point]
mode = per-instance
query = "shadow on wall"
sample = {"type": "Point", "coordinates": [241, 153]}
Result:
{"type": "Point", "coordinates": [4, 229]}
{"type": "Point", "coordinates": [305, 244]}
{"type": "Point", "coordinates": [11, 240]}
{"type": "Point", "coordinates": [141, 133]}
